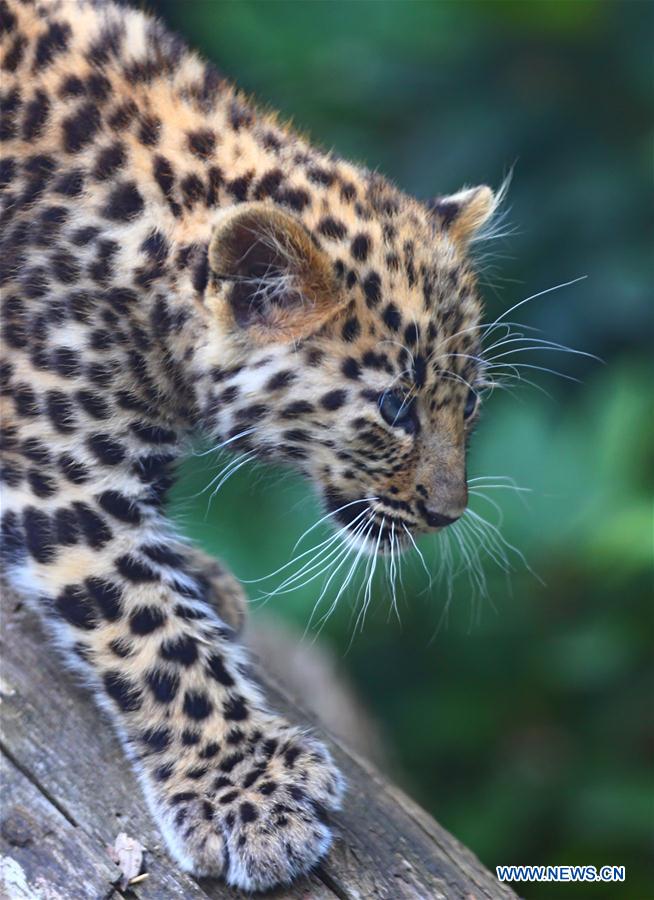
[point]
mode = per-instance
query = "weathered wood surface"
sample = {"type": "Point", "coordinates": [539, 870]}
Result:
{"type": "Point", "coordinates": [67, 792]}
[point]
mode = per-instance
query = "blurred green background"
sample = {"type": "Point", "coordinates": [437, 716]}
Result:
{"type": "Point", "coordinates": [523, 722]}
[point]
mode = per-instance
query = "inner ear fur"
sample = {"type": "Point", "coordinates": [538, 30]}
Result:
{"type": "Point", "coordinates": [274, 279]}
{"type": "Point", "coordinates": [463, 214]}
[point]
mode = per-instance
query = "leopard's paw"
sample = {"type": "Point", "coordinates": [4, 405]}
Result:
{"type": "Point", "coordinates": [260, 817]}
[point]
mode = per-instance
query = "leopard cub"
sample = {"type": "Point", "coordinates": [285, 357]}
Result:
{"type": "Point", "coordinates": [174, 261]}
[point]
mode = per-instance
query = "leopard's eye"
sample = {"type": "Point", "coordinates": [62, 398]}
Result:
{"type": "Point", "coordinates": [471, 404]}
{"type": "Point", "coordinates": [397, 410]}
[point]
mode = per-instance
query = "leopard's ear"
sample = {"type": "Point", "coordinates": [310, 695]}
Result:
{"type": "Point", "coordinates": [465, 213]}
{"type": "Point", "coordinates": [267, 275]}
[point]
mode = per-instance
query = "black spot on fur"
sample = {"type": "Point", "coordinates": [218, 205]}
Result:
{"type": "Point", "coordinates": [15, 53]}
{"type": "Point", "coordinates": [36, 115]}
{"type": "Point", "coordinates": [156, 739]}
{"type": "Point", "coordinates": [80, 128]}
{"type": "Point", "coordinates": [75, 471]}
{"type": "Point", "coordinates": [200, 275]}
{"type": "Point", "coordinates": [240, 116]}
{"type": "Point", "coordinates": [351, 368]}
{"type": "Point", "coordinates": [165, 178]}
{"type": "Point", "coordinates": [268, 184]}
{"type": "Point", "coordinates": [351, 329]}
{"type": "Point", "coordinates": [230, 762]}
{"type": "Point", "coordinates": [12, 542]}
{"type": "Point", "coordinates": [122, 115]}
{"type": "Point", "coordinates": [192, 190]}
{"type": "Point", "coordinates": [164, 685]}
{"type": "Point", "coordinates": [149, 130]}
{"type": "Point", "coordinates": [238, 187]}
{"type": "Point", "coordinates": [146, 619]}
{"type": "Point", "coordinates": [95, 405]}
{"type": "Point", "coordinates": [296, 409]}
{"type": "Point", "coordinates": [66, 527]}
{"type": "Point", "coordinates": [7, 171]}
{"type": "Point", "coordinates": [332, 228]}
{"type": "Point", "coordinates": [95, 529]}
{"type": "Point", "coordinates": [333, 400]}
{"type": "Point", "coordinates": [70, 184]}
{"type": "Point", "coordinates": [109, 161]}
{"type": "Point", "coordinates": [107, 597]}
{"type": "Point", "coordinates": [120, 507]}
{"type": "Point", "coordinates": [208, 752]}
{"type": "Point", "coordinates": [98, 86]}
{"type": "Point", "coordinates": [75, 606]}
{"type": "Point", "coordinates": [152, 434]}
{"type": "Point", "coordinates": [202, 143]}
{"type": "Point", "coordinates": [51, 43]}
{"type": "Point", "coordinates": [124, 203]}
{"type": "Point", "coordinates": [72, 86]}
{"type": "Point", "coordinates": [107, 450]}
{"type": "Point", "coordinates": [162, 554]}
{"type": "Point", "coordinates": [9, 107]}
{"type": "Point", "coordinates": [297, 198]}
{"type": "Point", "coordinates": [411, 334]}
{"type": "Point", "coordinates": [214, 181]}
{"type": "Point", "coordinates": [320, 176]}
{"type": "Point", "coordinates": [156, 247]}
{"type": "Point", "coordinates": [235, 709]}
{"type": "Point", "coordinates": [36, 450]}
{"type": "Point", "coordinates": [372, 289]}
{"type": "Point", "coordinates": [216, 668]}
{"type": "Point", "coordinates": [163, 773]}
{"type": "Point", "coordinates": [279, 380]}
{"type": "Point", "coordinates": [66, 362]}
{"type": "Point", "coordinates": [392, 317]}
{"type": "Point", "coordinates": [42, 484]}
{"type": "Point", "coordinates": [84, 235]}
{"type": "Point", "coordinates": [122, 690]}
{"type": "Point", "coordinates": [182, 650]}
{"type": "Point", "coordinates": [290, 757]}
{"type": "Point", "coordinates": [135, 570]}
{"type": "Point", "coordinates": [419, 371]}
{"type": "Point", "coordinates": [39, 538]}
{"type": "Point", "coordinates": [361, 247]}
{"type": "Point", "coordinates": [64, 267]}
{"type": "Point", "coordinates": [7, 19]}
{"type": "Point", "coordinates": [197, 705]}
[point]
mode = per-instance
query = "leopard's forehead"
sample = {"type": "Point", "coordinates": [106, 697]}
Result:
{"type": "Point", "coordinates": [414, 308]}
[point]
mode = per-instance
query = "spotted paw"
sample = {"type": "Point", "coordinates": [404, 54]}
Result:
{"type": "Point", "coordinates": [257, 815]}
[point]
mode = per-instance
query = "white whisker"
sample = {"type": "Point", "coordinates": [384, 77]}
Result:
{"type": "Point", "coordinates": [557, 287]}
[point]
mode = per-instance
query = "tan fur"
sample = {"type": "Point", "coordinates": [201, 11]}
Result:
{"type": "Point", "coordinates": [173, 261]}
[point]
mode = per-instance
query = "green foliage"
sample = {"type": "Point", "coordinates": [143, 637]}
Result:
{"type": "Point", "coordinates": [521, 719]}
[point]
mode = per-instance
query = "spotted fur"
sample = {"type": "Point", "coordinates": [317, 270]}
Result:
{"type": "Point", "coordinates": [172, 261]}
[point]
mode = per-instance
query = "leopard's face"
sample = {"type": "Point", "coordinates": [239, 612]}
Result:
{"type": "Point", "coordinates": [365, 373]}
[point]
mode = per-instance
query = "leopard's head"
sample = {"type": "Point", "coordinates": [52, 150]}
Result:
{"type": "Point", "coordinates": [348, 344]}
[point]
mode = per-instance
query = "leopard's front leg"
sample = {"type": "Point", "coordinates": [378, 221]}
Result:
{"type": "Point", "coordinates": [236, 790]}
{"type": "Point", "coordinates": [222, 590]}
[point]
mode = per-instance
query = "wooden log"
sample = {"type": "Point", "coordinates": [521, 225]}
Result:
{"type": "Point", "coordinates": [68, 792]}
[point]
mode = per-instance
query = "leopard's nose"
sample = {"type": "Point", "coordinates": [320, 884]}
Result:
{"type": "Point", "coordinates": [437, 519]}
